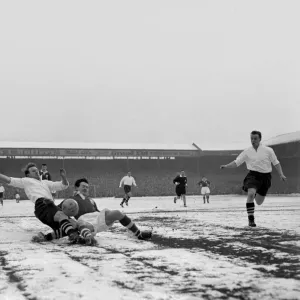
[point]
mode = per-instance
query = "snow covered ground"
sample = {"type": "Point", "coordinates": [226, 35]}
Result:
{"type": "Point", "coordinates": [204, 251]}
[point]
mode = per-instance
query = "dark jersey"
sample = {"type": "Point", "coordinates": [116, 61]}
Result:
{"type": "Point", "coordinates": [45, 175]}
{"type": "Point", "coordinates": [181, 180]}
{"type": "Point", "coordinates": [204, 183]}
{"type": "Point", "coordinates": [85, 206]}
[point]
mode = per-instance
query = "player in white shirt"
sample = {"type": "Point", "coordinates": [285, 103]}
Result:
{"type": "Point", "coordinates": [127, 181]}
{"type": "Point", "coordinates": [2, 190]}
{"type": "Point", "coordinates": [39, 192]}
{"type": "Point", "coordinates": [17, 196]}
{"type": "Point", "coordinates": [259, 160]}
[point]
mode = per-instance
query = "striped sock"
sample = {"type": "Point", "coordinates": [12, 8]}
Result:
{"type": "Point", "coordinates": [250, 210]}
{"type": "Point", "coordinates": [65, 229]}
{"type": "Point", "coordinates": [85, 232]}
{"type": "Point", "coordinates": [126, 222]}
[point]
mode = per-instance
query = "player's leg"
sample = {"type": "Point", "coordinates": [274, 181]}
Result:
{"type": "Point", "coordinates": [251, 184]}
{"type": "Point", "coordinates": [129, 195]}
{"type": "Point", "coordinates": [259, 199]}
{"type": "Point", "coordinates": [123, 201]}
{"type": "Point", "coordinates": [178, 193]}
{"type": "Point", "coordinates": [250, 206]}
{"type": "Point", "coordinates": [263, 189]}
{"type": "Point", "coordinates": [203, 194]}
{"type": "Point", "coordinates": [112, 216]}
{"type": "Point", "coordinates": [48, 213]}
{"type": "Point", "coordinates": [207, 195]}
{"type": "Point", "coordinates": [1, 201]}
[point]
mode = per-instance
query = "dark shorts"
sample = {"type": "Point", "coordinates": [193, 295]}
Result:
{"type": "Point", "coordinates": [180, 190]}
{"type": "Point", "coordinates": [1, 195]}
{"type": "Point", "coordinates": [259, 181]}
{"type": "Point", "coordinates": [127, 189]}
{"type": "Point", "coordinates": [45, 211]}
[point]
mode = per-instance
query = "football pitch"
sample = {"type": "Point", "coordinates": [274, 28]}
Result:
{"type": "Point", "coordinates": [204, 251]}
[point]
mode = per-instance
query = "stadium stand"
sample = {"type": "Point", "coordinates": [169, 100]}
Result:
{"type": "Point", "coordinates": [154, 176]}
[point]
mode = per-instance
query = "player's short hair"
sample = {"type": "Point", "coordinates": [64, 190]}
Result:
{"type": "Point", "coordinates": [256, 132]}
{"type": "Point", "coordinates": [78, 181]}
{"type": "Point", "coordinates": [27, 167]}
{"type": "Point", "coordinates": [44, 164]}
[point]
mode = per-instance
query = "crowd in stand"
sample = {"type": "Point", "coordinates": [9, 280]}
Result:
{"type": "Point", "coordinates": [153, 178]}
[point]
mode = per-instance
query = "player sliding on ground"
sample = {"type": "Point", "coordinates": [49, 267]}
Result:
{"type": "Point", "coordinates": [90, 220]}
{"type": "Point", "coordinates": [258, 159]}
{"type": "Point", "coordinates": [39, 192]}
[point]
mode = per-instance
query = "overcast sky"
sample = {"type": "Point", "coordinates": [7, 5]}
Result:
{"type": "Point", "coordinates": [149, 71]}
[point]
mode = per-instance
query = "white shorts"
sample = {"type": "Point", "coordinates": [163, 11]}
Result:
{"type": "Point", "coordinates": [205, 190]}
{"type": "Point", "coordinates": [97, 219]}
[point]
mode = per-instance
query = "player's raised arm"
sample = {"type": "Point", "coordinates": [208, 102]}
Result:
{"type": "Point", "coordinates": [5, 179]}
{"type": "Point", "coordinates": [63, 176]}
{"type": "Point", "coordinates": [59, 185]}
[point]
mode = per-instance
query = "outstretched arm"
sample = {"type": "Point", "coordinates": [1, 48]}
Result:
{"type": "Point", "coordinates": [5, 179]}
{"type": "Point", "coordinates": [280, 172]}
{"type": "Point", "coordinates": [236, 163]}
{"type": "Point", "coordinates": [16, 182]}
{"type": "Point", "coordinates": [230, 165]}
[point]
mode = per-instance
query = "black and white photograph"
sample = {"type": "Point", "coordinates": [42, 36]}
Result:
{"type": "Point", "coordinates": [150, 150]}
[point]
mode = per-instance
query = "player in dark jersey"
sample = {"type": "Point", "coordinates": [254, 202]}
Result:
{"type": "Point", "coordinates": [181, 184]}
{"type": "Point", "coordinates": [2, 190]}
{"type": "Point", "coordinates": [88, 210]}
{"type": "Point", "coordinates": [45, 173]}
{"type": "Point", "coordinates": [47, 176]}
{"type": "Point", "coordinates": [205, 190]}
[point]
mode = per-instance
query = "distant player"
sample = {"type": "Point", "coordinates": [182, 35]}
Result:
{"type": "Point", "coordinates": [2, 190]}
{"type": "Point", "coordinates": [45, 175]}
{"type": "Point", "coordinates": [205, 191]}
{"type": "Point", "coordinates": [17, 197]}
{"type": "Point", "coordinates": [90, 220]}
{"type": "Point", "coordinates": [127, 181]}
{"type": "Point", "coordinates": [259, 160]}
{"type": "Point", "coordinates": [181, 183]}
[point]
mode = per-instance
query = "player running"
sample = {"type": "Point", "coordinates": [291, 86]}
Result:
{"type": "Point", "coordinates": [127, 181]}
{"type": "Point", "coordinates": [259, 160]}
{"type": "Point", "coordinates": [181, 183]}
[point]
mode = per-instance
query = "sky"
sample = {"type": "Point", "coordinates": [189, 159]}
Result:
{"type": "Point", "coordinates": [199, 71]}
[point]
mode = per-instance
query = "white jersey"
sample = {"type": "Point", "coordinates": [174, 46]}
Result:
{"type": "Point", "coordinates": [128, 180]}
{"type": "Point", "coordinates": [259, 160]}
{"type": "Point", "coordinates": [35, 189]}
{"type": "Point", "coordinates": [2, 189]}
